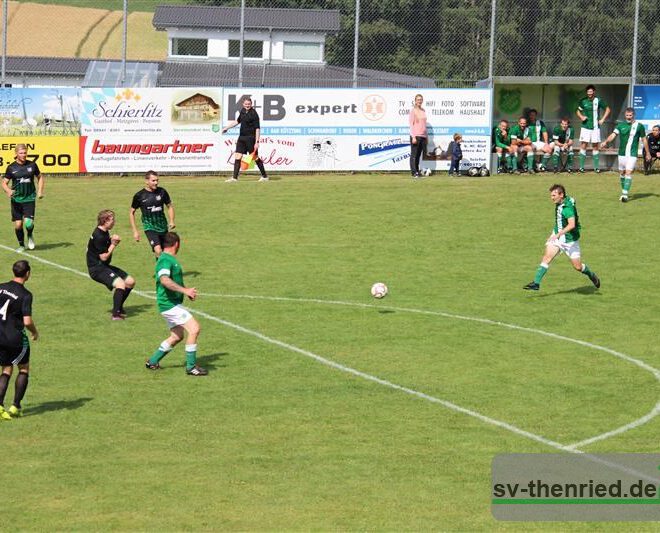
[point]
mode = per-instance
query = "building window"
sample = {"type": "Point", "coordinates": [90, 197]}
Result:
{"type": "Point", "coordinates": [251, 49]}
{"type": "Point", "coordinates": [302, 51]}
{"type": "Point", "coordinates": [190, 47]}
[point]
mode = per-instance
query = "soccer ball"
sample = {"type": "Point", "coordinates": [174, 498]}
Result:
{"type": "Point", "coordinates": [379, 290]}
{"type": "Point", "coordinates": [474, 171]}
{"type": "Point", "coordinates": [426, 172]}
{"type": "Point", "coordinates": [483, 172]}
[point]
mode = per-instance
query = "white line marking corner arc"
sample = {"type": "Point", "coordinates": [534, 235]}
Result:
{"type": "Point", "coordinates": [573, 448]}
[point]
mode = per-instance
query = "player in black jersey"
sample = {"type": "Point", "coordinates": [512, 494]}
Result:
{"type": "Point", "coordinates": [248, 139]}
{"type": "Point", "coordinates": [100, 247]}
{"type": "Point", "coordinates": [653, 139]}
{"type": "Point", "coordinates": [151, 201]}
{"type": "Point", "coordinates": [15, 318]}
{"type": "Point", "coordinates": [23, 194]}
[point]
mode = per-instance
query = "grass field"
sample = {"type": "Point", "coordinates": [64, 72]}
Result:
{"type": "Point", "coordinates": [278, 438]}
{"type": "Point", "coordinates": [93, 29]}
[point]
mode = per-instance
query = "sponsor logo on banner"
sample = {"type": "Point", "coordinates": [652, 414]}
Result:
{"type": "Point", "coordinates": [27, 111]}
{"type": "Point", "coordinates": [151, 111]}
{"type": "Point", "coordinates": [125, 154]}
{"type": "Point", "coordinates": [374, 107]}
{"type": "Point", "coordinates": [274, 152]}
{"type": "Point", "coordinates": [360, 129]}
{"type": "Point", "coordinates": [53, 155]}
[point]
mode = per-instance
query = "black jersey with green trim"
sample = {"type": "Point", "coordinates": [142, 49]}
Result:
{"type": "Point", "coordinates": [15, 303]}
{"type": "Point", "coordinates": [22, 181]}
{"type": "Point", "coordinates": [152, 206]}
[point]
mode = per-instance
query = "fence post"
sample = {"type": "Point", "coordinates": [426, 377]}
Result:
{"type": "Point", "coordinates": [491, 52]}
{"type": "Point", "coordinates": [356, 43]}
{"type": "Point", "coordinates": [240, 46]}
{"type": "Point", "coordinates": [5, 11]}
{"type": "Point", "coordinates": [633, 75]}
{"type": "Point", "coordinates": [124, 45]}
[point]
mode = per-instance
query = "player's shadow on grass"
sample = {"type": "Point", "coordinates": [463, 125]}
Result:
{"type": "Point", "coordinates": [208, 361]}
{"type": "Point", "coordinates": [385, 311]}
{"type": "Point", "coordinates": [57, 405]}
{"type": "Point", "coordinates": [641, 196]}
{"type": "Point", "coordinates": [50, 245]}
{"type": "Point", "coordinates": [137, 309]}
{"type": "Point", "coordinates": [587, 290]}
{"type": "Point", "coordinates": [192, 273]}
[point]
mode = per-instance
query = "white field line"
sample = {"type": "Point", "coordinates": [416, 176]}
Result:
{"type": "Point", "coordinates": [369, 377]}
{"type": "Point", "coordinates": [575, 446]}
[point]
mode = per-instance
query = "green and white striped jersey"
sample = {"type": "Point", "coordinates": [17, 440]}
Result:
{"type": "Point", "coordinates": [590, 109]}
{"type": "Point", "coordinates": [563, 211]}
{"type": "Point", "coordinates": [629, 135]}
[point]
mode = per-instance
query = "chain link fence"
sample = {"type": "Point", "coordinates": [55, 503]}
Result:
{"type": "Point", "coordinates": [401, 43]}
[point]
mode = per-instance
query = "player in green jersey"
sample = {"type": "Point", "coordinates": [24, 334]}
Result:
{"type": "Point", "coordinates": [170, 291]}
{"type": "Point", "coordinates": [565, 237]}
{"type": "Point", "coordinates": [562, 143]}
{"type": "Point", "coordinates": [588, 112]}
{"type": "Point", "coordinates": [538, 134]}
{"type": "Point", "coordinates": [503, 147]}
{"type": "Point", "coordinates": [630, 132]}
{"type": "Point", "coordinates": [23, 194]}
{"type": "Point", "coordinates": [520, 138]}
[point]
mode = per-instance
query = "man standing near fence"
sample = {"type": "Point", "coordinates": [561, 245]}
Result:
{"type": "Point", "coordinates": [630, 132]}
{"type": "Point", "coordinates": [588, 112]}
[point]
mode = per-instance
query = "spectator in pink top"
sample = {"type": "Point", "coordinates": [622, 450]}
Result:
{"type": "Point", "coordinates": [418, 135]}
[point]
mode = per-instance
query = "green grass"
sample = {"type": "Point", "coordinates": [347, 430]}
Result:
{"type": "Point", "coordinates": [273, 439]}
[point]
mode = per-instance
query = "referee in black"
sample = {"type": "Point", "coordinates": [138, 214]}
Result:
{"type": "Point", "coordinates": [654, 147]}
{"type": "Point", "coordinates": [15, 318]}
{"type": "Point", "coordinates": [248, 139]}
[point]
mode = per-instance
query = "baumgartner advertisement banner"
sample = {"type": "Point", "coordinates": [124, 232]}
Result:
{"type": "Point", "coordinates": [138, 129]}
{"type": "Point", "coordinates": [360, 129]}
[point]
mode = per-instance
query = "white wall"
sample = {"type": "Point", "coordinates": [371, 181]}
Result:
{"type": "Point", "coordinates": [218, 42]}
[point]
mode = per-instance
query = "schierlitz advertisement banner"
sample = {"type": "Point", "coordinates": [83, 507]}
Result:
{"type": "Point", "coordinates": [163, 129]}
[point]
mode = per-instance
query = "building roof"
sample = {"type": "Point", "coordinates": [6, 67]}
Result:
{"type": "Point", "coordinates": [186, 74]}
{"type": "Point", "coordinates": [221, 17]}
{"type": "Point", "coordinates": [206, 74]}
{"type": "Point", "coordinates": [52, 66]}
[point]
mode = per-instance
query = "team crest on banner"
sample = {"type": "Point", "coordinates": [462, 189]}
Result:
{"type": "Point", "coordinates": [509, 101]}
{"type": "Point", "coordinates": [374, 107]}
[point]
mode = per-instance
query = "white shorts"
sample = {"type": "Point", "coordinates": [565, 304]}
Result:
{"type": "Point", "coordinates": [571, 249]}
{"type": "Point", "coordinates": [590, 136]}
{"type": "Point", "coordinates": [538, 145]}
{"type": "Point", "coordinates": [177, 316]}
{"type": "Point", "coordinates": [627, 162]}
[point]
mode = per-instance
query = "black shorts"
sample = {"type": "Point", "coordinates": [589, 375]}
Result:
{"type": "Point", "coordinates": [21, 210]}
{"type": "Point", "coordinates": [154, 238]}
{"type": "Point", "coordinates": [245, 144]}
{"type": "Point", "coordinates": [11, 355]}
{"type": "Point", "coordinates": [107, 274]}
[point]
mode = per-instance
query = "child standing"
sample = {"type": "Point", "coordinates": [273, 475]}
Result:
{"type": "Point", "coordinates": [456, 154]}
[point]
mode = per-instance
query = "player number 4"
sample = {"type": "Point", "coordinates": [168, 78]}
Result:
{"type": "Point", "coordinates": [3, 310]}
